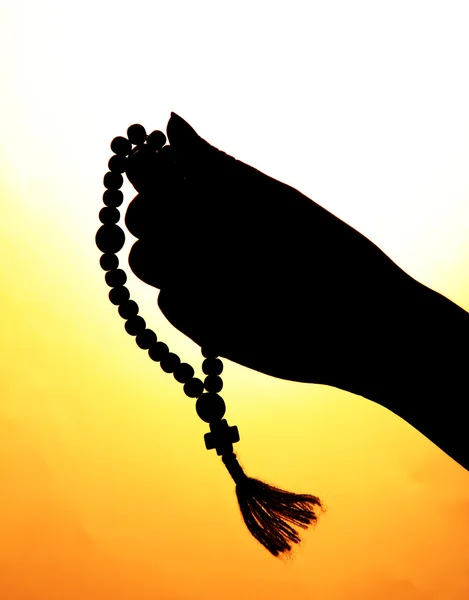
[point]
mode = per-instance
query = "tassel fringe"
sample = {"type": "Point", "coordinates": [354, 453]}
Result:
{"type": "Point", "coordinates": [269, 512]}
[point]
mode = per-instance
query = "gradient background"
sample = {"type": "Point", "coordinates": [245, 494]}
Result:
{"type": "Point", "coordinates": [107, 491]}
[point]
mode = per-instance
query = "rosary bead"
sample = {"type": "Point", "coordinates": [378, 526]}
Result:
{"type": "Point", "coordinates": [213, 383]}
{"type": "Point", "coordinates": [170, 362]}
{"type": "Point", "coordinates": [156, 140]}
{"type": "Point", "coordinates": [183, 373]}
{"type": "Point", "coordinates": [208, 352]}
{"type": "Point", "coordinates": [110, 238]}
{"type": "Point", "coordinates": [210, 407]}
{"type": "Point", "coordinates": [113, 197]}
{"type": "Point", "coordinates": [109, 214]}
{"type": "Point", "coordinates": [128, 309]}
{"type": "Point", "coordinates": [146, 339]}
{"type": "Point", "coordinates": [136, 134]}
{"type": "Point", "coordinates": [117, 164]}
{"type": "Point", "coordinates": [212, 366]}
{"type": "Point", "coordinates": [113, 181]}
{"type": "Point", "coordinates": [158, 351]}
{"type": "Point", "coordinates": [135, 325]}
{"type": "Point", "coordinates": [115, 278]}
{"type": "Point", "coordinates": [193, 388]}
{"type": "Point", "coordinates": [121, 146]}
{"type": "Point", "coordinates": [108, 262]}
{"type": "Point", "coordinates": [118, 295]}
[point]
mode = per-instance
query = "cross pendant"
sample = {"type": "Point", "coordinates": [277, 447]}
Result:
{"type": "Point", "coordinates": [221, 437]}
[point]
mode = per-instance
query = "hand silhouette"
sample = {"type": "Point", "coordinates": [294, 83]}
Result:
{"type": "Point", "coordinates": [256, 270]}
{"type": "Point", "coordinates": [264, 276]}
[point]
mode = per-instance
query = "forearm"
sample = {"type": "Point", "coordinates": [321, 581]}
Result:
{"type": "Point", "coordinates": [425, 382]}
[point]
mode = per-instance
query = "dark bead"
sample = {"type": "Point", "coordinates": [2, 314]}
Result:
{"type": "Point", "coordinates": [213, 383]}
{"type": "Point", "coordinates": [156, 140]}
{"type": "Point", "coordinates": [128, 309]}
{"type": "Point", "coordinates": [158, 351]}
{"type": "Point", "coordinates": [137, 134]}
{"type": "Point", "coordinates": [135, 325]}
{"type": "Point", "coordinates": [121, 146]}
{"type": "Point", "coordinates": [113, 197]}
{"type": "Point", "coordinates": [193, 388]}
{"type": "Point", "coordinates": [115, 278]}
{"type": "Point", "coordinates": [110, 238]}
{"type": "Point", "coordinates": [117, 164]}
{"type": "Point", "coordinates": [119, 295]}
{"type": "Point", "coordinates": [146, 339]}
{"type": "Point", "coordinates": [113, 181]}
{"type": "Point", "coordinates": [109, 214]}
{"type": "Point", "coordinates": [210, 407]}
{"type": "Point", "coordinates": [212, 366]}
{"type": "Point", "coordinates": [183, 373]}
{"type": "Point", "coordinates": [170, 362]}
{"type": "Point", "coordinates": [108, 262]}
{"type": "Point", "coordinates": [209, 352]}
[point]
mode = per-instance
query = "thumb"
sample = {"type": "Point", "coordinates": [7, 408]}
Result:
{"type": "Point", "coordinates": [180, 133]}
{"type": "Point", "coordinates": [183, 138]}
{"type": "Point", "coordinates": [189, 148]}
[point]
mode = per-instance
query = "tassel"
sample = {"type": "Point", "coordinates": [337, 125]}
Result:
{"type": "Point", "coordinates": [270, 512]}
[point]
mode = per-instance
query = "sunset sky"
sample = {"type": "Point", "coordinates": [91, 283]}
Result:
{"type": "Point", "coordinates": [107, 491]}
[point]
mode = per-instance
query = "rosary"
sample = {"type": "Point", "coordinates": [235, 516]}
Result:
{"type": "Point", "coordinates": [268, 512]}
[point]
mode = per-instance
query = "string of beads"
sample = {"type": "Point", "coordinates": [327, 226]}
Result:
{"type": "Point", "coordinates": [110, 238]}
{"type": "Point", "coordinates": [270, 514]}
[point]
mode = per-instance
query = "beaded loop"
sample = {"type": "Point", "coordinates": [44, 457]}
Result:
{"type": "Point", "coordinates": [115, 278]}
{"type": "Point", "coordinates": [210, 407]}
{"type": "Point", "coordinates": [110, 238]}
{"type": "Point", "coordinates": [266, 510]}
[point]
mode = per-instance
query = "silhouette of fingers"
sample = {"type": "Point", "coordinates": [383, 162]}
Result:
{"type": "Point", "coordinates": [253, 266]}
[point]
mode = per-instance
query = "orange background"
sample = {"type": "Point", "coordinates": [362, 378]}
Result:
{"type": "Point", "coordinates": [107, 491]}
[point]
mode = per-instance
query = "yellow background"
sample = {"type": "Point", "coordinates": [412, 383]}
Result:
{"type": "Point", "coordinates": [107, 491]}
